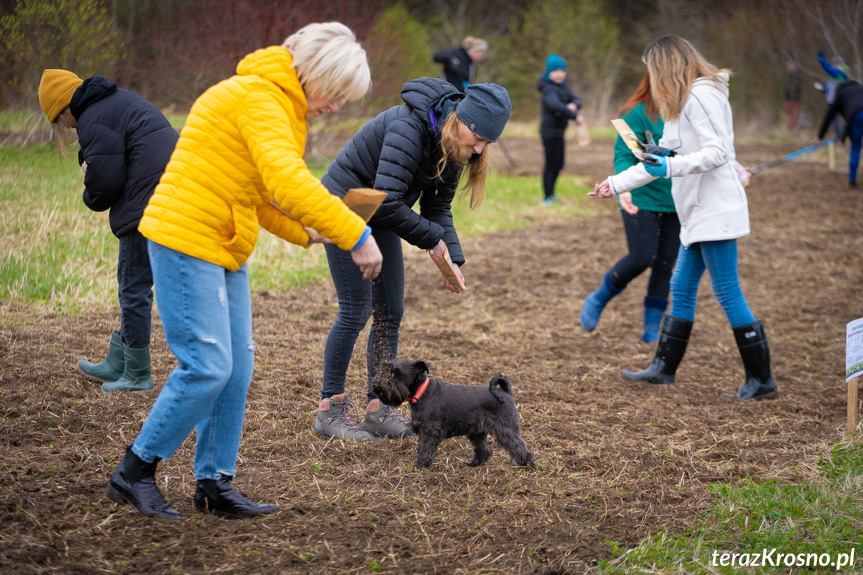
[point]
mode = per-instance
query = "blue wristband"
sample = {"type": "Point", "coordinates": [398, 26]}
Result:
{"type": "Point", "coordinates": [366, 233]}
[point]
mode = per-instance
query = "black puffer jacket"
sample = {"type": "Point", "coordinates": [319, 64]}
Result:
{"type": "Point", "coordinates": [126, 142]}
{"type": "Point", "coordinates": [397, 153]}
{"type": "Point", "coordinates": [555, 114]}
{"type": "Point", "coordinates": [848, 101]}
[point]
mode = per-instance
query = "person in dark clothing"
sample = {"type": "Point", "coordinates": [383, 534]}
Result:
{"type": "Point", "coordinates": [559, 106]}
{"type": "Point", "coordinates": [652, 234]}
{"type": "Point", "coordinates": [849, 104]}
{"type": "Point", "coordinates": [126, 143]}
{"type": "Point", "coordinates": [459, 64]}
{"type": "Point", "coordinates": [416, 153]}
{"type": "Point", "coordinates": [791, 93]}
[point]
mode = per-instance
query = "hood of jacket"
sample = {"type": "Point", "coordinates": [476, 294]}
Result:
{"type": "Point", "coordinates": [89, 92]}
{"type": "Point", "coordinates": [722, 86]}
{"type": "Point", "coordinates": [423, 93]}
{"type": "Point", "coordinates": [276, 65]}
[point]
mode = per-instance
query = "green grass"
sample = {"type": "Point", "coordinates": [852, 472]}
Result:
{"type": "Point", "coordinates": [811, 518]}
{"type": "Point", "coordinates": [56, 252]}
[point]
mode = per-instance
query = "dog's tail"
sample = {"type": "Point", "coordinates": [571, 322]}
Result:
{"type": "Point", "coordinates": [503, 382]}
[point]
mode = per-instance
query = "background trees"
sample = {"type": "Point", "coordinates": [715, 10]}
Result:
{"type": "Point", "coordinates": [170, 51]}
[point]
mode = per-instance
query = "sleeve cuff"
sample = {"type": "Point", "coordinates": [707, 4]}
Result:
{"type": "Point", "coordinates": [366, 233]}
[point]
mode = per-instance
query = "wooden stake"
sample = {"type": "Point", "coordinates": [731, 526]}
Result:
{"type": "Point", "coordinates": [852, 405]}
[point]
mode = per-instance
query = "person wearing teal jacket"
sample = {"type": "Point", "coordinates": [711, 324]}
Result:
{"type": "Point", "coordinates": [652, 235]}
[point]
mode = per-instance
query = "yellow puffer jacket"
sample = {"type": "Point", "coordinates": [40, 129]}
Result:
{"type": "Point", "coordinates": [241, 148]}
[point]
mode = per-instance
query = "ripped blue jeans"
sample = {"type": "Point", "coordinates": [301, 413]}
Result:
{"type": "Point", "coordinates": [206, 313]}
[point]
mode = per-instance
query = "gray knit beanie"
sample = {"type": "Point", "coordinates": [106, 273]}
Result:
{"type": "Point", "coordinates": [485, 109]}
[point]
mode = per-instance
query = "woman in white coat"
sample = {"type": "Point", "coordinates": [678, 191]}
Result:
{"type": "Point", "coordinates": [697, 152]}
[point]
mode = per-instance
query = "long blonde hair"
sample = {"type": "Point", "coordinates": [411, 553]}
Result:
{"type": "Point", "coordinates": [673, 65]}
{"type": "Point", "coordinates": [330, 63]}
{"type": "Point", "coordinates": [476, 172]}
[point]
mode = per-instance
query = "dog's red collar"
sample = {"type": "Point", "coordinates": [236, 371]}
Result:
{"type": "Point", "coordinates": [420, 391]}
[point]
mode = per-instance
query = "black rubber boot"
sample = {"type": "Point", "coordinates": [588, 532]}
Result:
{"type": "Point", "coordinates": [752, 344]}
{"type": "Point", "coordinates": [218, 496]}
{"type": "Point", "coordinates": [673, 338]}
{"type": "Point", "coordinates": [134, 482]}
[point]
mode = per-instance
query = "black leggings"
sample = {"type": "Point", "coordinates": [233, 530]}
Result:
{"type": "Point", "coordinates": [653, 239]}
{"type": "Point", "coordinates": [554, 153]}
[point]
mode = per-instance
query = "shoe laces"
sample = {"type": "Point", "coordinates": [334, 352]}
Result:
{"type": "Point", "coordinates": [388, 414]}
{"type": "Point", "coordinates": [345, 415]}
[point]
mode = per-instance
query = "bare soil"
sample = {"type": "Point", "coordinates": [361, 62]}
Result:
{"type": "Point", "coordinates": [617, 460]}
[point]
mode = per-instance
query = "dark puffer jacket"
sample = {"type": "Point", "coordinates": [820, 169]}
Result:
{"type": "Point", "coordinates": [397, 152]}
{"type": "Point", "coordinates": [555, 114]}
{"type": "Point", "coordinates": [126, 142]}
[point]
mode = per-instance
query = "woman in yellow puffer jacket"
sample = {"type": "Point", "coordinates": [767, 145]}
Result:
{"type": "Point", "coordinates": [238, 165]}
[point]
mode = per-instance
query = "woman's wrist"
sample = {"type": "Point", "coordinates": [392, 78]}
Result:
{"type": "Point", "coordinates": [366, 233]}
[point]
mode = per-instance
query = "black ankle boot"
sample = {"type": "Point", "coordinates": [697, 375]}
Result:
{"type": "Point", "coordinates": [673, 338]}
{"type": "Point", "coordinates": [134, 482]}
{"type": "Point", "coordinates": [752, 344]}
{"type": "Point", "coordinates": [218, 496]}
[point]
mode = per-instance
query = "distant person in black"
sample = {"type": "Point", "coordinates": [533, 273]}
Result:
{"type": "Point", "coordinates": [459, 64]}
{"type": "Point", "coordinates": [849, 103]}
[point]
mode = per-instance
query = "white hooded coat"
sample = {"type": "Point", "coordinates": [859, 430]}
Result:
{"type": "Point", "coordinates": [708, 196]}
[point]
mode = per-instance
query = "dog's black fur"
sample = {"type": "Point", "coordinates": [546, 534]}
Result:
{"type": "Point", "coordinates": [447, 410]}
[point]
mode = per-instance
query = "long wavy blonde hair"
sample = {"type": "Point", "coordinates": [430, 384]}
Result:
{"type": "Point", "coordinates": [476, 172]}
{"type": "Point", "coordinates": [673, 65]}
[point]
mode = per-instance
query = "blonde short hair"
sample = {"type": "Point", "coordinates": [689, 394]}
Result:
{"type": "Point", "coordinates": [673, 65]}
{"type": "Point", "coordinates": [471, 43]}
{"type": "Point", "coordinates": [329, 61]}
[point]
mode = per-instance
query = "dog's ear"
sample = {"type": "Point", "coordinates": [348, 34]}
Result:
{"type": "Point", "coordinates": [421, 367]}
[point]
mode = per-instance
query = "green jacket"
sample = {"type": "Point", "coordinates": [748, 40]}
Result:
{"type": "Point", "coordinates": [655, 196]}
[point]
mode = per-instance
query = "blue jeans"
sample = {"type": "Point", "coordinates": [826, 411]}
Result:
{"type": "Point", "coordinates": [383, 298]}
{"type": "Point", "coordinates": [206, 313]}
{"type": "Point", "coordinates": [855, 135]}
{"type": "Point", "coordinates": [720, 261]}
{"type": "Point", "coordinates": [135, 290]}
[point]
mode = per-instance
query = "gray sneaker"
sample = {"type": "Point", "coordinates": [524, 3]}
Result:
{"type": "Point", "coordinates": [336, 419]}
{"type": "Point", "coordinates": [387, 422]}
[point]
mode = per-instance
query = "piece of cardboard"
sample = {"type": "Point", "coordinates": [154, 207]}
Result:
{"type": "Point", "coordinates": [364, 201]}
{"type": "Point", "coordinates": [444, 264]}
{"type": "Point", "coordinates": [628, 136]}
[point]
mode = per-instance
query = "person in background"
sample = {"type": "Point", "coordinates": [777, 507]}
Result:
{"type": "Point", "coordinates": [837, 72]}
{"type": "Point", "coordinates": [238, 166]}
{"type": "Point", "coordinates": [416, 153]}
{"type": "Point", "coordinates": [459, 64]}
{"type": "Point", "coordinates": [791, 93]}
{"type": "Point", "coordinates": [697, 152]}
{"type": "Point", "coordinates": [125, 143]}
{"type": "Point", "coordinates": [559, 106]}
{"type": "Point", "coordinates": [848, 102]}
{"type": "Point", "coordinates": [652, 233]}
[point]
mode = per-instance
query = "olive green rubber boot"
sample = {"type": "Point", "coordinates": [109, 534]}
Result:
{"type": "Point", "coordinates": [112, 368]}
{"type": "Point", "coordinates": [136, 372]}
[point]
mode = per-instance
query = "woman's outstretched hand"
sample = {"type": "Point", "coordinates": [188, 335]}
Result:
{"type": "Point", "coordinates": [603, 190]}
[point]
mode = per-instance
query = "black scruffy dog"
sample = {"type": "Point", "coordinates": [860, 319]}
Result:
{"type": "Point", "coordinates": [440, 410]}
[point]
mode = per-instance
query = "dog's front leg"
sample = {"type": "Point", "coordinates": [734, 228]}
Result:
{"type": "Point", "coordinates": [426, 449]}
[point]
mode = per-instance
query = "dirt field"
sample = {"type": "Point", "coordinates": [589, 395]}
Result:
{"type": "Point", "coordinates": [617, 460]}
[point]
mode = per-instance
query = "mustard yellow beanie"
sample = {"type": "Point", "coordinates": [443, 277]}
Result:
{"type": "Point", "coordinates": [55, 91]}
